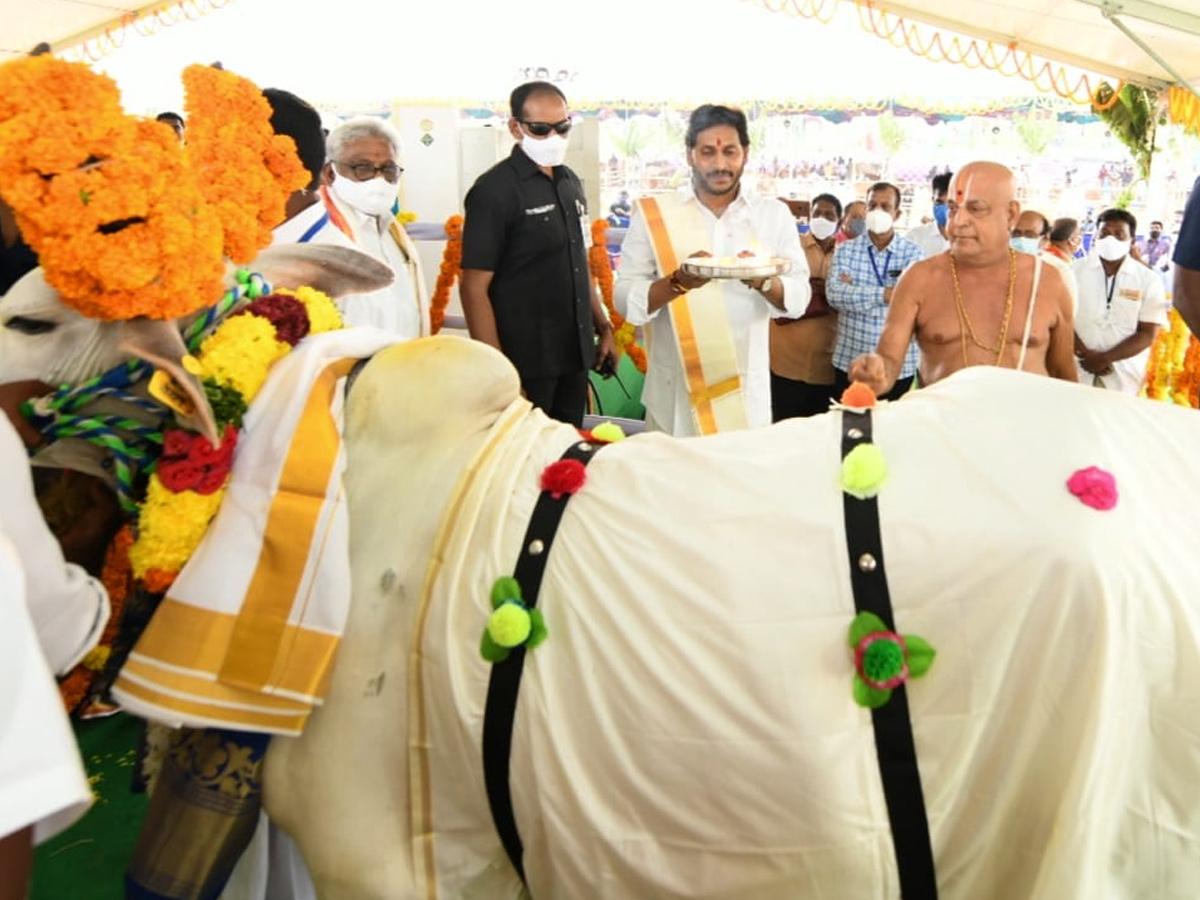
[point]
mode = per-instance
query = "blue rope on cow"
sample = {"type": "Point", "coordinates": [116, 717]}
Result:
{"type": "Point", "coordinates": [505, 682]}
{"type": "Point", "coordinates": [248, 286]}
{"type": "Point", "coordinates": [895, 748]}
{"type": "Point", "coordinates": [131, 443]}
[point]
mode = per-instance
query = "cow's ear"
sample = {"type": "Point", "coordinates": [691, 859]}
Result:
{"type": "Point", "coordinates": [158, 342]}
{"type": "Point", "coordinates": [332, 270]}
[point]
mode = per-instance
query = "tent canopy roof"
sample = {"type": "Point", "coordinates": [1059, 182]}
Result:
{"type": "Point", "coordinates": [1152, 42]}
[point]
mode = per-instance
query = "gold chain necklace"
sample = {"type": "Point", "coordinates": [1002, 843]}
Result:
{"type": "Point", "coordinates": [965, 326]}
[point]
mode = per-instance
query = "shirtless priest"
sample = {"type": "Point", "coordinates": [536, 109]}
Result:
{"type": "Point", "coordinates": [981, 304]}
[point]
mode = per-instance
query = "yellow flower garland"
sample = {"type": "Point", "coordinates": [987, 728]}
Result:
{"type": "Point", "coordinates": [1173, 367]}
{"type": "Point", "coordinates": [237, 356]}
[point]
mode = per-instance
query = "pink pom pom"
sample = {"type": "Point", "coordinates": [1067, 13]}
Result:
{"type": "Point", "coordinates": [1094, 487]}
{"type": "Point", "coordinates": [565, 476]}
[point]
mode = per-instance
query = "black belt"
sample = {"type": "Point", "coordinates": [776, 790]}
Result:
{"type": "Point", "coordinates": [500, 710]}
{"type": "Point", "coordinates": [894, 746]}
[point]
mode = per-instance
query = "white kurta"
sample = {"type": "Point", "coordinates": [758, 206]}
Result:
{"type": "Point", "coordinates": [929, 238]}
{"type": "Point", "coordinates": [311, 225]}
{"type": "Point", "coordinates": [69, 608]}
{"type": "Point", "coordinates": [1137, 296]}
{"type": "Point", "coordinates": [762, 224]}
{"type": "Point", "coordinates": [42, 781]}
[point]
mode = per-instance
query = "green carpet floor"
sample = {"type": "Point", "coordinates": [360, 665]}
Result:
{"type": "Point", "coordinates": [87, 861]}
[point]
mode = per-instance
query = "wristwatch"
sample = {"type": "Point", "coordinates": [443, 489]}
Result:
{"type": "Point", "coordinates": [767, 284]}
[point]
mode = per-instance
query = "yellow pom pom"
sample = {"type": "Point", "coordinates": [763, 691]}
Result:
{"type": "Point", "coordinates": [863, 471]}
{"type": "Point", "coordinates": [509, 625]}
{"type": "Point", "coordinates": [609, 432]}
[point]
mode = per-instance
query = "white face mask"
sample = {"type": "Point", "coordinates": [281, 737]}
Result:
{"type": "Point", "coordinates": [1111, 248]}
{"type": "Point", "coordinates": [821, 228]}
{"type": "Point", "coordinates": [373, 198]}
{"type": "Point", "coordinates": [879, 221]}
{"type": "Point", "coordinates": [549, 151]}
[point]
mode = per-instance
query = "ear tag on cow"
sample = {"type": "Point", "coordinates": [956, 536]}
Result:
{"type": "Point", "coordinates": [167, 391]}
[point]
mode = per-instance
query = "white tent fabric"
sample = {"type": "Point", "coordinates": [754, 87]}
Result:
{"type": "Point", "coordinates": [361, 50]}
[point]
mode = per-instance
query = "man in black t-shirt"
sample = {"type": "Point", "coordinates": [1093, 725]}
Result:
{"type": "Point", "coordinates": [1186, 296]}
{"type": "Point", "coordinates": [526, 288]}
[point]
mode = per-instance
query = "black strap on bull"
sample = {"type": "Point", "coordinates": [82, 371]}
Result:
{"type": "Point", "coordinates": [499, 713]}
{"type": "Point", "coordinates": [894, 745]}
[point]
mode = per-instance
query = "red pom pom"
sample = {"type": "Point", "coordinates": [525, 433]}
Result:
{"type": "Point", "coordinates": [565, 476]}
{"type": "Point", "coordinates": [179, 474]}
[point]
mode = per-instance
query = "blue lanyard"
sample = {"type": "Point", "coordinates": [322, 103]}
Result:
{"type": "Point", "coordinates": [887, 261]}
{"type": "Point", "coordinates": [313, 229]}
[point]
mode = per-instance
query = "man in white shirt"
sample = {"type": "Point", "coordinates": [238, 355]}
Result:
{"type": "Point", "coordinates": [360, 178]}
{"type": "Point", "coordinates": [1122, 306]}
{"type": "Point", "coordinates": [695, 327]}
{"type": "Point", "coordinates": [931, 237]}
{"type": "Point", "coordinates": [1031, 235]}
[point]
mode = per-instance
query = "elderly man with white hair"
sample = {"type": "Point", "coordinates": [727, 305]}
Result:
{"type": "Point", "coordinates": [359, 182]}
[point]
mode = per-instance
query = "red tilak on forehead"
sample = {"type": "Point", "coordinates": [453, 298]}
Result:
{"type": "Point", "coordinates": [958, 195]}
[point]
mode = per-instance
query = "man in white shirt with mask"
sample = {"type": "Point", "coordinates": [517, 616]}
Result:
{"type": "Point", "coordinates": [1122, 306]}
{"type": "Point", "coordinates": [361, 174]}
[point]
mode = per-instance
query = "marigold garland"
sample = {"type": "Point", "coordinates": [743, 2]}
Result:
{"type": "Point", "coordinates": [126, 221]}
{"type": "Point", "coordinates": [1173, 367]}
{"type": "Point", "coordinates": [185, 492]}
{"type": "Point", "coordinates": [624, 334]}
{"type": "Point", "coordinates": [449, 271]}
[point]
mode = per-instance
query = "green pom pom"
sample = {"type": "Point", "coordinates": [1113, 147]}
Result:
{"type": "Point", "coordinates": [505, 588]}
{"type": "Point", "coordinates": [871, 698]}
{"type": "Point", "coordinates": [863, 471]}
{"type": "Point", "coordinates": [865, 623]}
{"type": "Point", "coordinates": [537, 630]}
{"type": "Point", "coordinates": [609, 432]}
{"type": "Point", "coordinates": [490, 651]}
{"type": "Point", "coordinates": [920, 655]}
{"type": "Point", "coordinates": [883, 660]}
{"type": "Point", "coordinates": [510, 625]}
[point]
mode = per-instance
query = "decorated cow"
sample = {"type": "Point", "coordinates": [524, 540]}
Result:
{"type": "Point", "coordinates": [712, 711]}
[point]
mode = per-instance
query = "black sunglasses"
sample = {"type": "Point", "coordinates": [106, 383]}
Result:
{"type": "Point", "coordinates": [541, 129]}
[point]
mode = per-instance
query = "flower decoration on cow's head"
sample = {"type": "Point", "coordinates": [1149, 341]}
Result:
{"type": "Point", "coordinates": [884, 660]}
{"type": "Point", "coordinates": [511, 624]}
{"type": "Point", "coordinates": [125, 221]}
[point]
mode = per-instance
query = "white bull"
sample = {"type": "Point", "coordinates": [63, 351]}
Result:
{"type": "Point", "coordinates": [687, 730]}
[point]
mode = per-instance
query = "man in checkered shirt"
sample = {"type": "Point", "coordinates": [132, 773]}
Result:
{"type": "Point", "coordinates": [861, 279]}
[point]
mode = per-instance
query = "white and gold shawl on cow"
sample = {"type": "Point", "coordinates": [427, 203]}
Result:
{"type": "Point", "coordinates": [687, 730]}
{"type": "Point", "coordinates": [246, 636]}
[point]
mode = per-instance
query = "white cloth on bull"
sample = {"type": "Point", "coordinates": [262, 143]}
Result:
{"type": "Point", "coordinates": [247, 634]}
{"type": "Point", "coordinates": [687, 729]}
